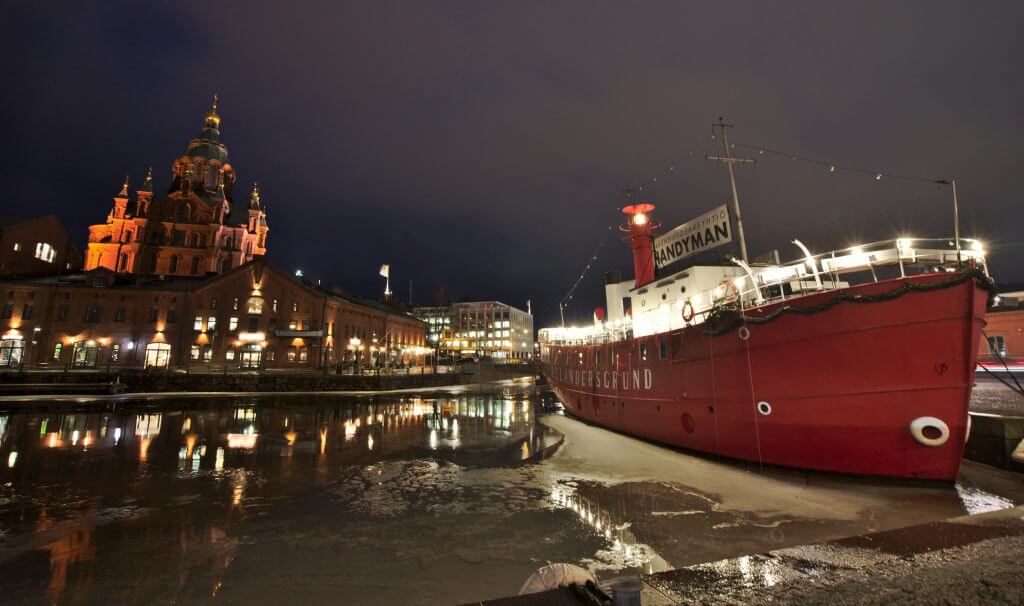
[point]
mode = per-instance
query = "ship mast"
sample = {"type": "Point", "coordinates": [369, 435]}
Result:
{"type": "Point", "coordinates": [729, 160]}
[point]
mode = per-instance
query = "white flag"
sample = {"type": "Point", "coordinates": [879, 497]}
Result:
{"type": "Point", "coordinates": [385, 271]}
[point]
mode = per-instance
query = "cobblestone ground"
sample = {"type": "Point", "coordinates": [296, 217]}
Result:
{"type": "Point", "coordinates": [993, 397]}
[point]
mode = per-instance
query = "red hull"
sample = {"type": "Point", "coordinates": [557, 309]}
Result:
{"type": "Point", "coordinates": [843, 384]}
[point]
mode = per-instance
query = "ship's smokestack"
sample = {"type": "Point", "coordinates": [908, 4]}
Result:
{"type": "Point", "coordinates": [640, 235]}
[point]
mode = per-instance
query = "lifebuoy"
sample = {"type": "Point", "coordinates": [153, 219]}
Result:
{"type": "Point", "coordinates": [687, 312]}
{"type": "Point", "coordinates": [929, 431]}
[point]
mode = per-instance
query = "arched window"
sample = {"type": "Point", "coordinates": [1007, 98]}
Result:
{"type": "Point", "coordinates": [248, 249]}
{"type": "Point", "coordinates": [174, 264]}
{"type": "Point", "coordinates": [128, 236]}
{"type": "Point", "coordinates": [194, 241]}
{"type": "Point", "coordinates": [254, 305]}
{"type": "Point", "coordinates": [229, 243]}
{"type": "Point", "coordinates": [195, 265]}
{"type": "Point", "coordinates": [123, 264]}
{"type": "Point", "coordinates": [177, 238]}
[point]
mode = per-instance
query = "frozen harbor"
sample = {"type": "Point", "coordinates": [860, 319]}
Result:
{"type": "Point", "coordinates": [434, 498]}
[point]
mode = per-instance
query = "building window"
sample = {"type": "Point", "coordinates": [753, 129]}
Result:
{"type": "Point", "coordinates": [172, 316]}
{"type": "Point", "coordinates": [194, 352]}
{"type": "Point", "coordinates": [997, 345]}
{"type": "Point", "coordinates": [254, 324]}
{"type": "Point", "coordinates": [174, 264]}
{"type": "Point", "coordinates": [211, 323]}
{"type": "Point", "coordinates": [662, 349]}
{"type": "Point", "coordinates": [255, 305]}
{"type": "Point", "coordinates": [26, 311]}
{"type": "Point", "coordinates": [291, 354]}
{"type": "Point", "coordinates": [45, 252]}
{"type": "Point", "coordinates": [303, 353]}
{"type": "Point", "coordinates": [98, 282]}
{"type": "Point", "coordinates": [213, 303]}
{"type": "Point", "coordinates": [643, 352]}
{"type": "Point", "coordinates": [158, 355]}
{"type": "Point", "coordinates": [58, 347]}
{"type": "Point", "coordinates": [62, 312]}
{"type": "Point", "coordinates": [273, 306]}
{"type": "Point", "coordinates": [7, 312]}
{"type": "Point", "coordinates": [295, 307]}
{"type": "Point", "coordinates": [198, 324]}
{"type": "Point", "coordinates": [270, 355]}
{"type": "Point", "coordinates": [17, 246]}
{"type": "Point", "coordinates": [207, 353]}
{"type": "Point", "coordinates": [272, 323]}
{"type": "Point", "coordinates": [195, 265]}
{"type": "Point", "coordinates": [597, 357]}
{"type": "Point", "coordinates": [234, 305]}
{"type": "Point", "coordinates": [233, 323]}
{"type": "Point", "coordinates": [115, 352]}
{"type": "Point", "coordinates": [229, 354]}
{"type": "Point", "coordinates": [92, 314]}
{"type": "Point", "coordinates": [154, 314]}
{"type": "Point", "coordinates": [119, 314]}
{"type": "Point", "coordinates": [293, 325]}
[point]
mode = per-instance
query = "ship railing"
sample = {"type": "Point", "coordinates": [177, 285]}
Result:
{"type": "Point", "coordinates": [833, 270]}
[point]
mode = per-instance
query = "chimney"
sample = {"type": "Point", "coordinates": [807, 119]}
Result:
{"type": "Point", "coordinates": [640, 235]}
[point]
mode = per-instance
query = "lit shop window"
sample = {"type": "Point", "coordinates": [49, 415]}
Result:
{"type": "Point", "coordinates": [194, 353]}
{"type": "Point", "coordinates": [211, 323]}
{"type": "Point", "coordinates": [198, 324]}
{"type": "Point", "coordinates": [233, 323]}
{"type": "Point", "coordinates": [303, 353]}
{"type": "Point", "coordinates": [45, 252]}
{"type": "Point", "coordinates": [115, 352]}
{"type": "Point", "coordinates": [229, 355]}
{"type": "Point", "coordinates": [57, 348]}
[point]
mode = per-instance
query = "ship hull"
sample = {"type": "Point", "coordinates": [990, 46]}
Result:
{"type": "Point", "coordinates": [837, 390]}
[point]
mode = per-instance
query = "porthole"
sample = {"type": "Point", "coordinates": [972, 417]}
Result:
{"type": "Point", "coordinates": [764, 408]}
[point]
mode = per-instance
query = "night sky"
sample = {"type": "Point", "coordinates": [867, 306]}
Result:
{"type": "Point", "coordinates": [484, 144]}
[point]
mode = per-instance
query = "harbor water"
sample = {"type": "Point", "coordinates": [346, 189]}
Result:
{"type": "Point", "coordinates": [439, 497]}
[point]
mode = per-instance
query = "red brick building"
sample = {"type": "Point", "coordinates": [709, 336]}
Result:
{"type": "Point", "coordinates": [198, 227]}
{"type": "Point", "coordinates": [31, 247]}
{"type": "Point", "coordinates": [1004, 328]}
{"type": "Point", "coordinates": [252, 317]}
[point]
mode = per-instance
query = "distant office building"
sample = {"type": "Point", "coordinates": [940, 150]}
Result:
{"type": "Point", "coordinates": [491, 329]}
{"type": "Point", "coordinates": [439, 325]}
{"type": "Point", "coordinates": [36, 247]}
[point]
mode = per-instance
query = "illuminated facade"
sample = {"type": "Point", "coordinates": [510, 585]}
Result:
{"type": "Point", "coordinates": [198, 227]}
{"type": "Point", "coordinates": [490, 329]}
{"type": "Point", "coordinates": [1004, 329]}
{"type": "Point", "coordinates": [253, 317]}
{"type": "Point", "coordinates": [39, 246]}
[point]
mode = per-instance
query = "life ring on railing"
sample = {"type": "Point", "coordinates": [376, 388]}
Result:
{"type": "Point", "coordinates": [929, 431]}
{"type": "Point", "coordinates": [688, 312]}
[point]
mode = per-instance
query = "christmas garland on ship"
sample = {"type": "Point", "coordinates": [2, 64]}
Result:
{"type": "Point", "coordinates": [725, 319]}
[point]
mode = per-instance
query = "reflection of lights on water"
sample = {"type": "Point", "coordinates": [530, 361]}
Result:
{"type": "Point", "coordinates": [87, 440]}
{"type": "Point", "coordinates": [187, 425]}
{"type": "Point", "coordinates": [74, 437]}
{"type": "Point", "coordinates": [455, 428]}
{"type": "Point", "coordinates": [433, 439]}
{"type": "Point", "coordinates": [350, 430]}
{"type": "Point", "coordinates": [323, 439]}
{"type": "Point", "coordinates": [525, 454]}
{"type": "Point", "coordinates": [147, 425]}
{"type": "Point", "coordinates": [219, 461]}
{"type": "Point", "coordinates": [52, 442]}
{"type": "Point", "coordinates": [369, 442]}
{"type": "Point", "coordinates": [144, 448]}
{"type": "Point", "coordinates": [117, 435]}
{"type": "Point", "coordinates": [291, 436]}
{"type": "Point", "coordinates": [12, 458]}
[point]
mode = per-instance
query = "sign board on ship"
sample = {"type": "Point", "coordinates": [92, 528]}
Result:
{"type": "Point", "coordinates": [707, 231]}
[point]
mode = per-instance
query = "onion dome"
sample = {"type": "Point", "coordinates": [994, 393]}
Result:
{"type": "Point", "coordinates": [207, 145]}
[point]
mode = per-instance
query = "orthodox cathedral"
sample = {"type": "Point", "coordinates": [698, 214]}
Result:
{"type": "Point", "coordinates": [198, 227]}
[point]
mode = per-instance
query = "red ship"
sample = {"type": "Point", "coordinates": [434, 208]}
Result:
{"type": "Point", "coordinates": [857, 361]}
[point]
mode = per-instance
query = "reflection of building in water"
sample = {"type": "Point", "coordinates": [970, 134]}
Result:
{"type": "Point", "coordinates": [626, 549]}
{"type": "Point", "coordinates": [76, 546]}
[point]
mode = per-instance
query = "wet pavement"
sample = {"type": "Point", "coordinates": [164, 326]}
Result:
{"type": "Point", "coordinates": [437, 498]}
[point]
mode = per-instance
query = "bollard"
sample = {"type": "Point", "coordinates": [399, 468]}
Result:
{"type": "Point", "coordinates": [627, 592]}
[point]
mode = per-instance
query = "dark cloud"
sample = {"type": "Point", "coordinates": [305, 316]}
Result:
{"type": "Point", "coordinates": [483, 144]}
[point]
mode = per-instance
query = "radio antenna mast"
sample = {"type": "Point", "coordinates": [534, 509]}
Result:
{"type": "Point", "coordinates": [729, 160]}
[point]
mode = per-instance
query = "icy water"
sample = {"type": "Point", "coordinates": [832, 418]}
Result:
{"type": "Point", "coordinates": [436, 498]}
